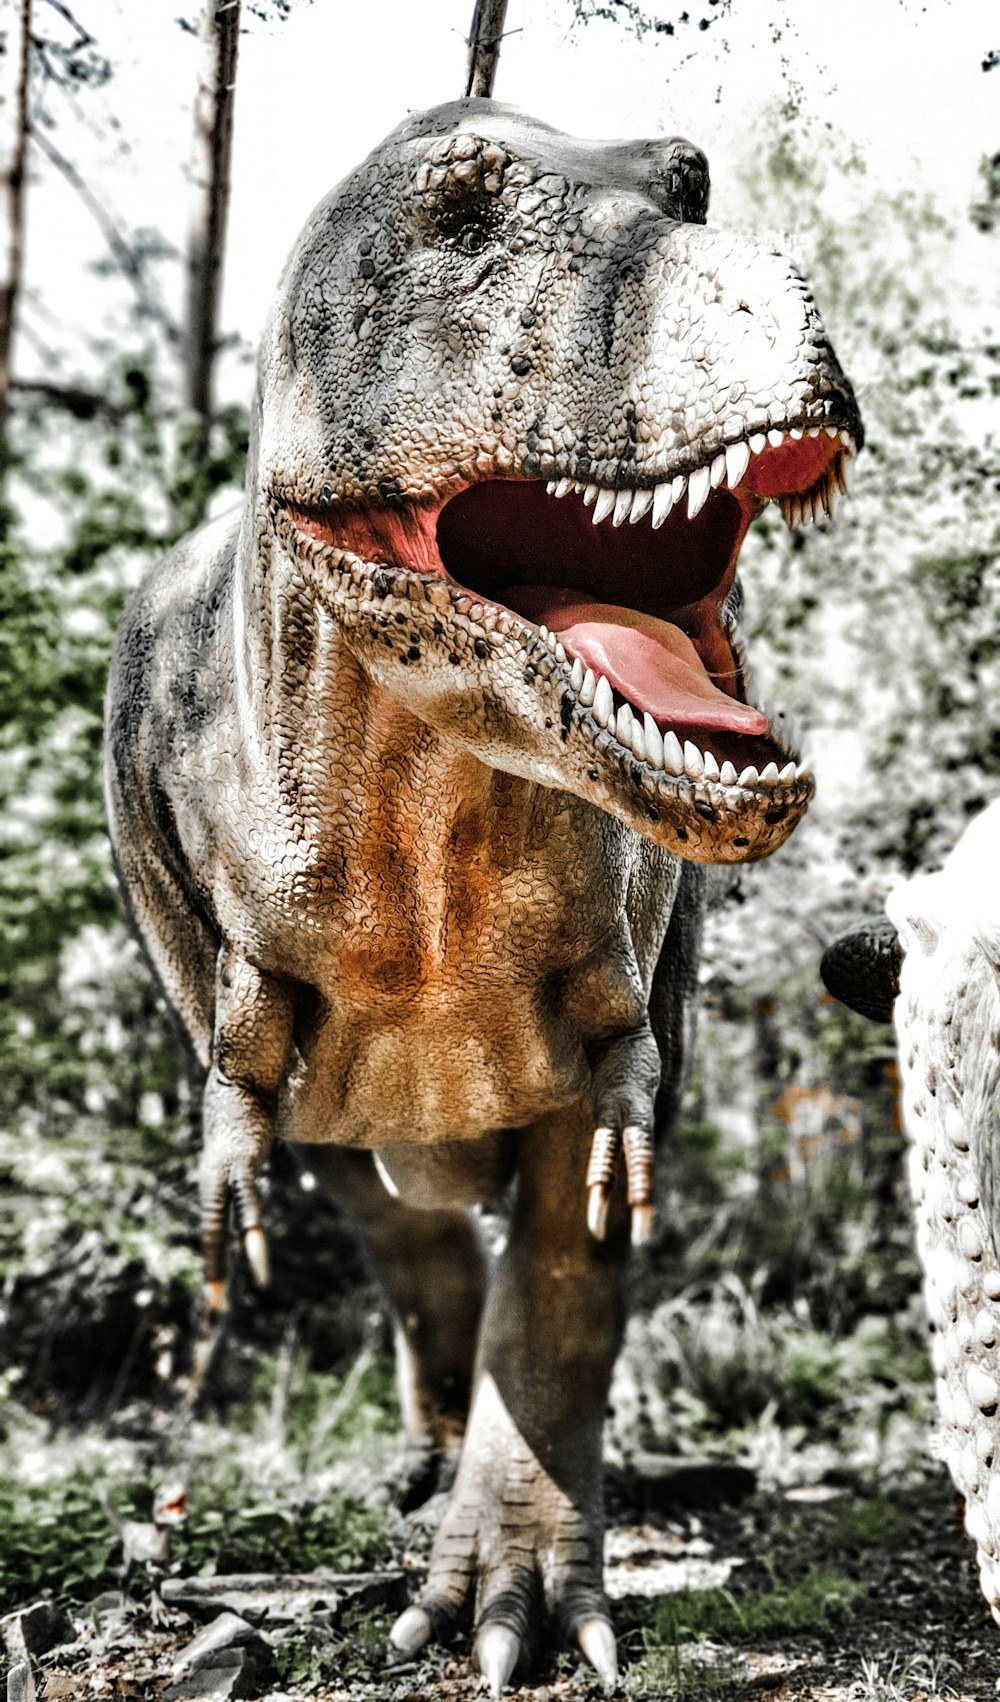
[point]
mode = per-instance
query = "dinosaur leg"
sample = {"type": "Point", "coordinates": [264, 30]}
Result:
{"type": "Point", "coordinates": [433, 1269]}
{"type": "Point", "coordinates": [524, 1525]}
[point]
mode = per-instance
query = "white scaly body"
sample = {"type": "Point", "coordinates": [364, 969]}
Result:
{"type": "Point", "coordinates": [948, 1026]}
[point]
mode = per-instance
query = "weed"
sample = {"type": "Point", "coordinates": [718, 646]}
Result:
{"type": "Point", "coordinates": [693, 1672]}
{"type": "Point", "coordinates": [900, 1680]}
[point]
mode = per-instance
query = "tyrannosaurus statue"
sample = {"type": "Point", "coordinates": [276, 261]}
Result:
{"type": "Point", "coordinates": [410, 769]}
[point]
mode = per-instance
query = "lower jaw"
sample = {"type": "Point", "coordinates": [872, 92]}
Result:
{"type": "Point", "coordinates": [710, 769]}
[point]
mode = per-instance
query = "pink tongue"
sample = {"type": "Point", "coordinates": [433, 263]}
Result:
{"type": "Point", "coordinates": [647, 660]}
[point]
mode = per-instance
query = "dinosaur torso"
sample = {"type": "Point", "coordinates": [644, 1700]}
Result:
{"type": "Point", "coordinates": [452, 926]}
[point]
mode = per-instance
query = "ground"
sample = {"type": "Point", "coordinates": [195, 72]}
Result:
{"type": "Point", "coordinates": [817, 1593]}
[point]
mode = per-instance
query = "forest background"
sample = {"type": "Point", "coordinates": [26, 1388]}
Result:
{"type": "Point", "coordinates": [778, 1321]}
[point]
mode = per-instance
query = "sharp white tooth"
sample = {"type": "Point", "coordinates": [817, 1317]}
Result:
{"type": "Point", "coordinates": [663, 502]}
{"type": "Point", "coordinates": [560, 653]}
{"type": "Point", "coordinates": [588, 688]}
{"type": "Point", "coordinates": [787, 773]}
{"type": "Point", "coordinates": [785, 505]}
{"type": "Point", "coordinates": [623, 505]}
{"type": "Point", "coordinates": [698, 489]}
{"type": "Point", "coordinates": [654, 741]}
{"type": "Point", "coordinates": [693, 762]}
{"type": "Point", "coordinates": [711, 767]}
{"type": "Point", "coordinates": [677, 487]}
{"type": "Point", "coordinates": [563, 486]}
{"type": "Point", "coordinates": [577, 486]}
{"type": "Point", "coordinates": [589, 493]}
{"type": "Point", "coordinates": [749, 777]}
{"type": "Point", "coordinates": [813, 431]}
{"type": "Point", "coordinates": [623, 725]}
{"type": "Point", "coordinates": [543, 632]}
{"type": "Point", "coordinates": [550, 487]}
{"type": "Point", "coordinates": [603, 506]}
{"type": "Point", "coordinates": [796, 434]}
{"type": "Point", "coordinates": [673, 756]}
{"type": "Point", "coordinates": [718, 471]}
{"type": "Point", "coordinates": [847, 471]}
{"type": "Point", "coordinates": [775, 437]}
{"type": "Point", "coordinates": [833, 504]}
{"type": "Point", "coordinates": [604, 703]}
{"type": "Point", "coordinates": [832, 431]}
{"type": "Point", "coordinates": [727, 774]}
{"type": "Point", "coordinates": [757, 442]}
{"type": "Point", "coordinates": [737, 459]}
{"type": "Point", "coordinates": [642, 502]}
{"type": "Point", "coordinates": [638, 741]}
{"type": "Point", "coordinates": [576, 677]}
{"type": "Point", "coordinates": [802, 771]}
{"type": "Point", "coordinates": [769, 774]}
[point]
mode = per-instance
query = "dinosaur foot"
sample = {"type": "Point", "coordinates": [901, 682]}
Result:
{"type": "Point", "coordinates": [527, 1550]}
{"type": "Point", "coordinates": [626, 1078]}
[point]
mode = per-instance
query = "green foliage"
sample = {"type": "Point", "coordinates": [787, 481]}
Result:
{"type": "Point", "coordinates": [313, 1655]}
{"type": "Point", "coordinates": [808, 1603]}
{"type": "Point", "coordinates": [54, 1534]}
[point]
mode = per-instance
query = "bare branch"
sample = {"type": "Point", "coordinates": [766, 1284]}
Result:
{"type": "Point", "coordinates": [13, 143]}
{"type": "Point", "coordinates": [82, 404]}
{"type": "Point", "coordinates": [124, 254]}
{"type": "Point", "coordinates": [484, 46]}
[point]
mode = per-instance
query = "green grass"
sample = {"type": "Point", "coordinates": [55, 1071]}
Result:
{"type": "Point", "coordinates": [694, 1615]}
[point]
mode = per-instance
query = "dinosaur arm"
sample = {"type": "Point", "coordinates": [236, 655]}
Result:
{"type": "Point", "coordinates": [250, 1048]}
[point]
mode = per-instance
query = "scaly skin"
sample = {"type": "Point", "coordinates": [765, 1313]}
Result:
{"type": "Point", "coordinates": [947, 1018]}
{"type": "Point", "coordinates": [401, 765]}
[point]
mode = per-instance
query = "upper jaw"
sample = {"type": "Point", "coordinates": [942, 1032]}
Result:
{"type": "Point", "coordinates": [561, 720]}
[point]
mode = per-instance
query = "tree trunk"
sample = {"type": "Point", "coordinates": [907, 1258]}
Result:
{"type": "Point", "coordinates": [13, 141]}
{"type": "Point", "coordinates": [213, 137]}
{"type": "Point", "coordinates": [484, 46]}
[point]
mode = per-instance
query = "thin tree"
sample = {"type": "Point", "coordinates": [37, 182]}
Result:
{"type": "Point", "coordinates": [484, 46]}
{"type": "Point", "coordinates": [13, 144]}
{"type": "Point", "coordinates": [210, 172]}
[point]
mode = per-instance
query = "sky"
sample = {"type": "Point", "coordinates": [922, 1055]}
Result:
{"type": "Point", "coordinates": [317, 91]}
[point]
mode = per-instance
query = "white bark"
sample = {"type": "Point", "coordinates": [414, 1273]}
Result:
{"type": "Point", "coordinates": [213, 135]}
{"type": "Point", "coordinates": [14, 72]}
{"type": "Point", "coordinates": [948, 1025]}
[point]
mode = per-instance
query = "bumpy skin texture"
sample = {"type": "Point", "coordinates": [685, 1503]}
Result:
{"type": "Point", "coordinates": [948, 1025]}
{"type": "Point", "coordinates": [861, 968]}
{"type": "Point", "coordinates": [407, 870]}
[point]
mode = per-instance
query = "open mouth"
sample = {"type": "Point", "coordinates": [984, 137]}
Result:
{"type": "Point", "coordinates": [631, 589]}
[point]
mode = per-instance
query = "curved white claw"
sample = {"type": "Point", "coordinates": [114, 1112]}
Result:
{"type": "Point", "coordinates": [597, 1642]}
{"type": "Point", "coordinates": [497, 1650]}
{"type": "Point", "coordinates": [411, 1631]}
{"type": "Point", "coordinates": [255, 1247]}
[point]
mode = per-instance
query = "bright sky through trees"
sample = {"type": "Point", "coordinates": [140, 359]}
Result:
{"type": "Point", "coordinates": [902, 80]}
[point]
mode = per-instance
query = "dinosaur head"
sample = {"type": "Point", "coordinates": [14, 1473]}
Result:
{"type": "Point", "coordinates": [519, 407]}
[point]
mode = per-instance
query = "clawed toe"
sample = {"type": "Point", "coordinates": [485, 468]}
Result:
{"type": "Point", "coordinates": [597, 1643]}
{"type": "Point", "coordinates": [637, 1145]}
{"type": "Point", "coordinates": [498, 1650]}
{"type": "Point", "coordinates": [411, 1631]}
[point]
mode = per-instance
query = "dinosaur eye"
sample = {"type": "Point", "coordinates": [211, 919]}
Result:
{"type": "Point", "coordinates": [473, 239]}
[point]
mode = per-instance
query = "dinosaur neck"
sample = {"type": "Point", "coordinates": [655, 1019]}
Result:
{"type": "Point", "coordinates": [304, 690]}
